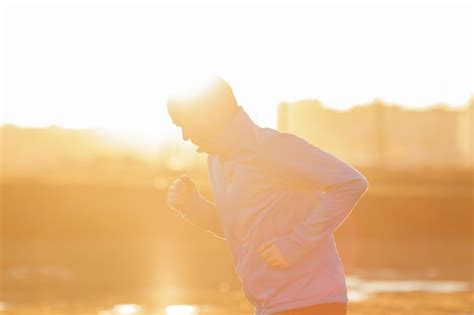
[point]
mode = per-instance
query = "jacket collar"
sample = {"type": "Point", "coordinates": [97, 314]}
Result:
{"type": "Point", "coordinates": [237, 136]}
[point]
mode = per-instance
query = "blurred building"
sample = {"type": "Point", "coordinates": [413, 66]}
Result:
{"type": "Point", "coordinates": [378, 134]}
{"type": "Point", "coordinates": [466, 133]}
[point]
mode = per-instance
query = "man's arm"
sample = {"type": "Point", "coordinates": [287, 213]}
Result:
{"type": "Point", "coordinates": [296, 160]}
{"type": "Point", "coordinates": [203, 213]}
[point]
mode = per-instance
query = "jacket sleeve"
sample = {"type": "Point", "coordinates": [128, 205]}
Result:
{"type": "Point", "coordinates": [202, 213]}
{"type": "Point", "coordinates": [295, 160]}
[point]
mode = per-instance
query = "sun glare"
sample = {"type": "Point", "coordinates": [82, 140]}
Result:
{"type": "Point", "coordinates": [166, 49]}
{"type": "Point", "coordinates": [184, 86]}
{"type": "Point", "coordinates": [144, 141]}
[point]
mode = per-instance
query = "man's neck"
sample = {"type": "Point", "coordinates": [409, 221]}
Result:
{"type": "Point", "coordinates": [227, 117]}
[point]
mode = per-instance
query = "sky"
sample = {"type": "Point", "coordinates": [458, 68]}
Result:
{"type": "Point", "coordinates": [106, 64]}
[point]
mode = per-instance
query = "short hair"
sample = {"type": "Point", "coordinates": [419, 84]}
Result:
{"type": "Point", "coordinates": [212, 95]}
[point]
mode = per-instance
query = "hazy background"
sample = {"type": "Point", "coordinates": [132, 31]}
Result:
{"type": "Point", "coordinates": [88, 151]}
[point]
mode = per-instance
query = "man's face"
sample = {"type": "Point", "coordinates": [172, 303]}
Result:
{"type": "Point", "coordinates": [203, 113]}
{"type": "Point", "coordinates": [199, 131]}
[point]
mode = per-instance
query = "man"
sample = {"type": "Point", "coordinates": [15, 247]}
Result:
{"type": "Point", "coordinates": [278, 201]}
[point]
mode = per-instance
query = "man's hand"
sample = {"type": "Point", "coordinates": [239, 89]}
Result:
{"type": "Point", "coordinates": [181, 192]}
{"type": "Point", "coordinates": [272, 255]}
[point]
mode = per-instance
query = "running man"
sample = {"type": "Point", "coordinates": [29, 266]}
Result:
{"type": "Point", "coordinates": [277, 202]}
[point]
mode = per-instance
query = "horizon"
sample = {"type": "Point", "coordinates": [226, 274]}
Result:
{"type": "Point", "coordinates": [426, 107]}
{"type": "Point", "coordinates": [148, 144]}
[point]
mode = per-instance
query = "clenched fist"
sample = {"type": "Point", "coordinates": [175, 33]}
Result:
{"type": "Point", "coordinates": [182, 193]}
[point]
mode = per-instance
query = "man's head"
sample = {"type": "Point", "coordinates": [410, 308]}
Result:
{"type": "Point", "coordinates": [202, 109]}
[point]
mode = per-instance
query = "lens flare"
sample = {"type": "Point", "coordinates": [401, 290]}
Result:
{"type": "Point", "coordinates": [127, 309]}
{"type": "Point", "coordinates": [181, 310]}
{"type": "Point", "coordinates": [184, 86]}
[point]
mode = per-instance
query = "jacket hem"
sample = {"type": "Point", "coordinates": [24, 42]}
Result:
{"type": "Point", "coordinates": [259, 310]}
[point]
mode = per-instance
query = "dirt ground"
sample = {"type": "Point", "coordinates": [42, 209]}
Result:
{"type": "Point", "coordinates": [419, 303]}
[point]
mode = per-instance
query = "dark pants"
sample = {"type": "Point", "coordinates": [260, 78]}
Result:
{"type": "Point", "coordinates": [319, 309]}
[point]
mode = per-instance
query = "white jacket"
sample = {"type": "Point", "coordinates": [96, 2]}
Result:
{"type": "Point", "coordinates": [269, 185]}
